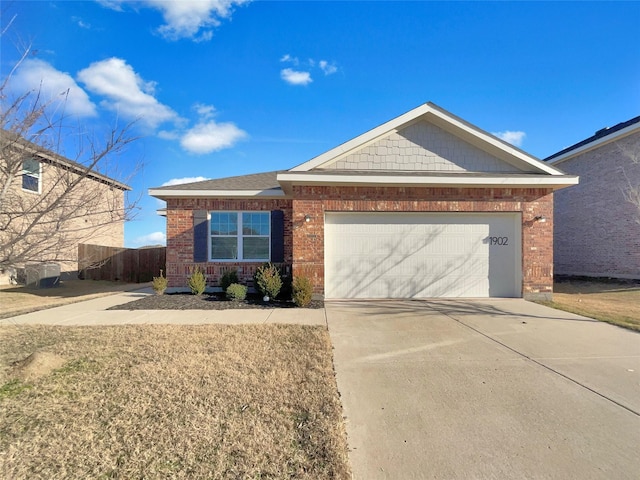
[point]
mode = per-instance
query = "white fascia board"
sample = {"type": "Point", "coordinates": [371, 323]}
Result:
{"type": "Point", "coordinates": [162, 194]}
{"type": "Point", "coordinates": [495, 142]}
{"type": "Point", "coordinates": [365, 138]}
{"type": "Point", "coordinates": [534, 181]}
{"type": "Point", "coordinates": [445, 118]}
{"type": "Point", "coordinates": [597, 143]}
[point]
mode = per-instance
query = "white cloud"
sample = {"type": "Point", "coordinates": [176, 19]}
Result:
{"type": "Point", "coordinates": [210, 136]}
{"type": "Point", "coordinates": [303, 77]}
{"type": "Point", "coordinates": [194, 19]}
{"type": "Point", "coordinates": [169, 135]}
{"type": "Point", "coordinates": [205, 111]}
{"type": "Point", "coordinates": [289, 59]}
{"type": "Point", "coordinates": [513, 137]}
{"type": "Point", "coordinates": [294, 77]}
{"type": "Point", "coordinates": [327, 68]}
{"type": "Point", "coordinates": [112, 4]}
{"type": "Point", "coordinates": [126, 92]}
{"type": "Point", "coordinates": [180, 181]}
{"type": "Point", "coordinates": [155, 238]}
{"type": "Point", "coordinates": [81, 23]}
{"type": "Point", "coordinates": [54, 86]}
{"type": "Point", "coordinates": [207, 135]}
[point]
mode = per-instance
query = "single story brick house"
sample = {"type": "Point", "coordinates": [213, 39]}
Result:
{"type": "Point", "coordinates": [597, 223]}
{"type": "Point", "coordinates": [424, 205]}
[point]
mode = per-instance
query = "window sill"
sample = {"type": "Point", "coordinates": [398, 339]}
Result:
{"type": "Point", "coordinates": [217, 260]}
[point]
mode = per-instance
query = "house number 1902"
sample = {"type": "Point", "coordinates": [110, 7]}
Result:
{"type": "Point", "coordinates": [502, 241]}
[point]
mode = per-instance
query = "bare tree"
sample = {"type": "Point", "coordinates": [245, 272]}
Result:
{"type": "Point", "coordinates": [631, 151]}
{"type": "Point", "coordinates": [48, 202]}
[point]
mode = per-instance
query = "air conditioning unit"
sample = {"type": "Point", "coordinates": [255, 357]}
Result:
{"type": "Point", "coordinates": [43, 275]}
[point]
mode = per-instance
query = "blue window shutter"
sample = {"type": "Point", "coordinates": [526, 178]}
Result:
{"type": "Point", "coordinates": [200, 236]}
{"type": "Point", "coordinates": [277, 236]}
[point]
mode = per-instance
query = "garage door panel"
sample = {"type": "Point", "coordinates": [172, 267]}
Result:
{"type": "Point", "coordinates": [397, 255]}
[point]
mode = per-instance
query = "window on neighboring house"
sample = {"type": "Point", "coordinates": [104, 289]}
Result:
{"type": "Point", "coordinates": [240, 235]}
{"type": "Point", "coordinates": [31, 175]}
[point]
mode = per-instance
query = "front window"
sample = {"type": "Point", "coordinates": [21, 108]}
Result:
{"type": "Point", "coordinates": [240, 235]}
{"type": "Point", "coordinates": [31, 175]}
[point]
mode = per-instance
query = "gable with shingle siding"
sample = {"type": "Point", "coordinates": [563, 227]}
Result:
{"type": "Point", "coordinates": [422, 147]}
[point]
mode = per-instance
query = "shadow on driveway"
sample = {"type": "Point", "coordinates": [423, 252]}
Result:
{"type": "Point", "coordinates": [494, 308]}
{"type": "Point", "coordinates": [485, 389]}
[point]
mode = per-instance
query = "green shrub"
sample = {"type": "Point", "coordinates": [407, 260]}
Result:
{"type": "Point", "coordinates": [228, 277]}
{"type": "Point", "coordinates": [159, 284]}
{"type": "Point", "coordinates": [302, 291]}
{"type": "Point", "coordinates": [197, 282]}
{"type": "Point", "coordinates": [236, 292]}
{"type": "Point", "coordinates": [268, 281]}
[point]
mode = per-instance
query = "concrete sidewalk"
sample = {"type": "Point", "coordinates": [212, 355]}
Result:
{"type": "Point", "coordinates": [94, 312]}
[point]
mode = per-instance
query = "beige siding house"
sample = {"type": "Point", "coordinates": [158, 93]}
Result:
{"type": "Point", "coordinates": [93, 213]}
{"type": "Point", "coordinates": [597, 225]}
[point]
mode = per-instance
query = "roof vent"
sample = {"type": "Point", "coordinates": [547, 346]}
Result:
{"type": "Point", "coordinates": [602, 131]}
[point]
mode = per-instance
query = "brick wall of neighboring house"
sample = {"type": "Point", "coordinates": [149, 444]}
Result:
{"type": "Point", "coordinates": [597, 231]}
{"type": "Point", "coordinates": [537, 237]}
{"type": "Point", "coordinates": [180, 241]}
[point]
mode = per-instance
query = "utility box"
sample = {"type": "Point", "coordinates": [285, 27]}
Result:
{"type": "Point", "coordinates": [43, 275]}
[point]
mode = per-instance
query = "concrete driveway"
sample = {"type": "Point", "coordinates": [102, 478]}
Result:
{"type": "Point", "coordinates": [485, 389]}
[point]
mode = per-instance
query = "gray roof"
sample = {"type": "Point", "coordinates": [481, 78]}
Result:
{"type": "Point", "coordinates": [255, 181]}
{"type": "Point", "coordinates": [596, 136]}
{"type": "Point", "coordinates": [30, 148]}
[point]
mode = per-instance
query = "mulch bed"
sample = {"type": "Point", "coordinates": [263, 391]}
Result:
{"type": "Point", "coordinates": [187, 301]}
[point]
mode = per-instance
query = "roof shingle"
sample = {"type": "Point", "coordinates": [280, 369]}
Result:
{"type": "Point", "coordinates": [596, 136]}
{"type": "Point", "coordinates": [255, 181]}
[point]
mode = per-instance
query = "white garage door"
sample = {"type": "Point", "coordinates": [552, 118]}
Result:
{"type": "Point", "coordinates": [414, 255]}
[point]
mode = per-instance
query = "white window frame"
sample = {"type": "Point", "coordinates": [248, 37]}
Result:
{"type": "Point", "coordinates": [239, 236]}
{"type": "Point", "coordinates": [38, 177]}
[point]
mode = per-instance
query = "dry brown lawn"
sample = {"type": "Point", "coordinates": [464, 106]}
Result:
{"type": "Point", "coordinates": [17, 299]}
{"type": "Point", "coordinates": [617, 303]}
{"type": "Point", "coordinates": [163, 401]}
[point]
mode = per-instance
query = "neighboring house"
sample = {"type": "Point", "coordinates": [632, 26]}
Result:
{"type": "Point", "coordinates": [425, 205]}
{"type": "Point", "coordinates": [94, 213]}
{"type": "Point", "coordinates": [597, 227]}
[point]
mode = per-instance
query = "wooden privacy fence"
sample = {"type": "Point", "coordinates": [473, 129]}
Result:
{"type": "Point", "coordinates": [132, 265]}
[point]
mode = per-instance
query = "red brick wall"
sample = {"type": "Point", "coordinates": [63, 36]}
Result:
{"type": "Point", "coordinates": [304, 241]}
{"type": "Point", "coordinates": [180, 237]}
{"type": "Point", "coordinates": [537, 237]}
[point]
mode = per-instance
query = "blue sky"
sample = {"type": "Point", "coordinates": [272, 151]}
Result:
{"type": "Point", "coordinates": [224, 87]}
